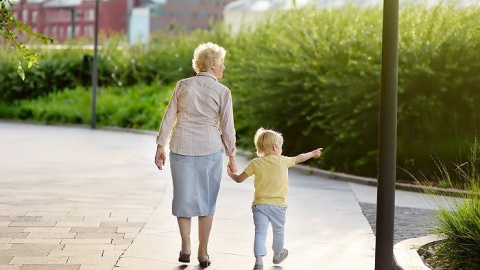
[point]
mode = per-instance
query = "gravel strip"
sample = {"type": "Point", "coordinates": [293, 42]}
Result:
{"type": "Point", "coordinates": [409, 222]}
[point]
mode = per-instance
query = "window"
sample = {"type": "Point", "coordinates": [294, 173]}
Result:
{"type": "Point", "coordinates": [61, 32]}
{"type": "Point", "coordinates": [54, 31]}
{"type": "Point", "coordinates": [34, 16]}
{"type": "Point", "coordinates": [77, 31]}
{"type": "Point", "coordinates": [45, 30]}
{"type": "Point", "coordinates": [15, 15]}
{"type": "Point", "coordinates": [89, 31]}
{"type": "Point", "coordinates": [25, 15]}
{"type": "Point", "coordinates": [90, 15]}
{"type": "Point", "coordinates": [69, 31]}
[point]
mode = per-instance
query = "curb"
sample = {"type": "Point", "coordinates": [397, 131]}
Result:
{"type": "Point", "coordinates": [406, 255]}
{"type": "Point", "coordinates": [300, 168]}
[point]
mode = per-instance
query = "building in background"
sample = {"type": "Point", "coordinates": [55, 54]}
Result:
{"type": "Point", "coordinates": [144, 20]}
{"type": "Point", "coordinates": [178, 15]}
{"type": "Point", "coordinates": [64, 19]}
{"type": "Point", "coordinates": [192, 14]}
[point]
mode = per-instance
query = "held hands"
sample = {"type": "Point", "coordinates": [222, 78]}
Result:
{"type": "Point", "coordinates": [232, 165]}
{"type": "Point", "coordinates": [317, 153]}
{"type": "Point", "coordinates": [160, 157]}
{"type": "Point", "coordinates": [230, 172]}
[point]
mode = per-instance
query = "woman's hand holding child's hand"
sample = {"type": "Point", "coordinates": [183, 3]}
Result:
{"type": "Point", "coordinates": [317, 152]}
{"type": "Point", "coordinates": [229, 171]}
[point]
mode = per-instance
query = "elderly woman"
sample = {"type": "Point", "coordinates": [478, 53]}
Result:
{"type": "Point", "coordinates": [199, 119]}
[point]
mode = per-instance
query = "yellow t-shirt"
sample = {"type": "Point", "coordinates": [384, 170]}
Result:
{"type": "Point", "coordinates": [270, 178]}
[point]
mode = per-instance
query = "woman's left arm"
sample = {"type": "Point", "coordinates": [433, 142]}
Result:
{"type": "Point", "coordinates": [227, 128]}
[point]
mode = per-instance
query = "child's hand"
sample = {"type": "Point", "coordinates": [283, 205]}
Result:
{"type": "Point", "coordinates": [317, 152]}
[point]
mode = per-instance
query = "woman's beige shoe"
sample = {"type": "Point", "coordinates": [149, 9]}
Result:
{"type": "Point", "coordinates": [204, 261]}
{"type": "Point", "coordinates": [184, 258]}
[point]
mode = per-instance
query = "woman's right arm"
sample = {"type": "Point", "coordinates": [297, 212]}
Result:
{"type": "Point", "coordinates": [168, 122]}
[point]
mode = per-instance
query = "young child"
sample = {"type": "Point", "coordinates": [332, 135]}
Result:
{"type": "Point", "coordinates": [271, 184]}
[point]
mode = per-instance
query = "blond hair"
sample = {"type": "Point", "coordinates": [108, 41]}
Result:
{"type": "Point", "coordinates": [265, 139]}
{"type": "Point", "coordinates": [205, 55]}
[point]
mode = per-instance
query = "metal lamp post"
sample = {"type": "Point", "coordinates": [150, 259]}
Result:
{"type": "Point", "coordinates": [387, 138]}
{"type": "Point", "coordinates": [93, 119]}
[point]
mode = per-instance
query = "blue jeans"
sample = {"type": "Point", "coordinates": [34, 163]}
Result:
{"type": "Point", "coordinates": [263, 214]}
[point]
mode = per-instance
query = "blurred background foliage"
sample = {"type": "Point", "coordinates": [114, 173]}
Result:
{"type": "Point", "coordinates": [313, 75]}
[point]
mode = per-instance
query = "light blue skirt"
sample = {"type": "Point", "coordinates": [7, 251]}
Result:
{"type": "Point", "coordinates": [196, 182]}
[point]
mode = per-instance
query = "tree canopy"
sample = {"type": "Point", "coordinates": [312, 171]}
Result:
{"type": "Point", "coordinates": [10, 30]}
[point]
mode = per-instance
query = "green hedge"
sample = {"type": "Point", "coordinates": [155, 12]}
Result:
{"type": "Point", "coordinates": [132, 107]}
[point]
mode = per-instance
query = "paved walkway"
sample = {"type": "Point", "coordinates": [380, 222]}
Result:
{"type": "Point", "coordinates": [74, 198]}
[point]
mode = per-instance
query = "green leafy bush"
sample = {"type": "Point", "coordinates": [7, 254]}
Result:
{"type": "Point", "coordinates": [314, 75]}
{"type": "Point", "coordinates": [167, 58]}
{"type": "Point", "coordinates": [133, 107]}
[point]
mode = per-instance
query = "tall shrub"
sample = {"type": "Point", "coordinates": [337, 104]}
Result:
{"type": "Point", "coordinates": [315, 76]}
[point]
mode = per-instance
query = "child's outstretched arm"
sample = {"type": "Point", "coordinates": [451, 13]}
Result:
{"type": "Point", "coordinates": [306, 156]}
{"type": "Point", "coordinates": [237, 178]}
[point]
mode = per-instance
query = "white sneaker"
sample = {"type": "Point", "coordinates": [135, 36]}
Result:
{"type": "Point", "coordinates": [283, 255]}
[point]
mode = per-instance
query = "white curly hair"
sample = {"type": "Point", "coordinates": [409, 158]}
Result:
{"type": "Point", "coordinates": [205, 55]}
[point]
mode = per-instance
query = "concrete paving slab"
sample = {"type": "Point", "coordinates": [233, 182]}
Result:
{"type": "Point", "coordinates": [80, 247]}
{"type": "Point", "coordinates": [35, 241]}
{"type": "Point", "coordinates": [86, 241]}
{"type": "Point", "coordinates": [50, 267]}
{"type": "Point", "coordinates": [10, 267]}
{"type": "Point", "coordinates": [12, 229]}
{"type": "Point", "coordinates": [58, 219]}
{"type": "Point", "coordinates": [37, 246]}
{"type": "Point", "coordinates": [93, 230]}
{"type": "Point", "coordinates": [5, 259]}
{"type": "Point", "coordinates": [38, 260]}
{"type": "Point", "coordinates": [99, 236]}
{"type": "Point", "coordinates": [111, 261]}
{"type": "Point", "coordinates": [13, 235]}
{"type": "Point", "coordinates": [10, 219]}
{"type": "Point", "coordinates": [47, 230]}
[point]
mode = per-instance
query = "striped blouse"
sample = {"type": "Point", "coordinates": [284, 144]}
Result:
{"type": "Point", "coordinates": [199, 118]}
